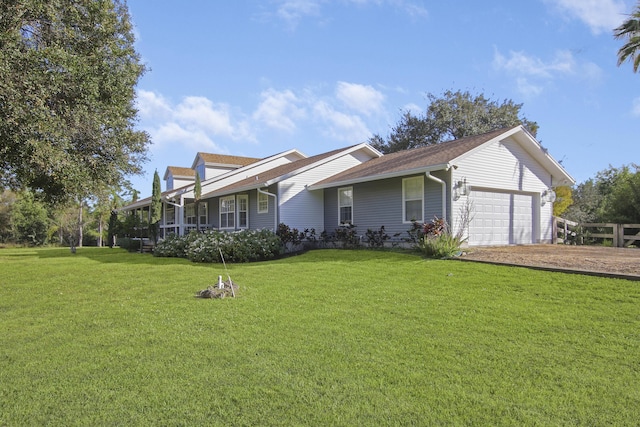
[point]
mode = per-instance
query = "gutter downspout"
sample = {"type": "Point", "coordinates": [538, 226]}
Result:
{"type": "Point", "coordinates": [444, 193]}
{"type": "Point", "coordinates": [275, 214]}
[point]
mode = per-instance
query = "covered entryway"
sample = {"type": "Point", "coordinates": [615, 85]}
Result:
{"type": "Point", "coordinates": [501, 218]}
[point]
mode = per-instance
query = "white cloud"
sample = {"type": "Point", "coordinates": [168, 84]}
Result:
{"type": "Point", "coordinates": [279, 110]}
{"type": "Point", "coordinates": [533, 74]}
{"type": "Point", "coordinates": [527, 88]}
{"type": "Point", "coordinates": [151, 104]}
{"type": "Point", "coordinates": [343, 127]}
{"type": "Point", "coordinates": [635, 110]}
{"type": "Point", "coordinates": [197, 123]}
{"type": "Point", "coordinates": [172, 133]}
{"type": "Point", "coordinates": [599, 15]}
{"type": "Point", "coordinates": [528, 65]}
{"type": "Point", "coordinates": [194, 122]}
{"type": "Point", "coordinates": [293, 11]}
{"type": "Point", "coordinates": [200, 112]}
{"type": "Point", "coordinates": [361, 98]}
{"type": "Point", "coordinates": [414, 109]}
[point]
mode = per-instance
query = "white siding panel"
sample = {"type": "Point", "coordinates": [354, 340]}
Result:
{"type": "Point", "coordinates": [208, 187]}
{"type": "Point", "coordinates": [505, 166]}
{"type": "Point", "coordinates": [301, 208]}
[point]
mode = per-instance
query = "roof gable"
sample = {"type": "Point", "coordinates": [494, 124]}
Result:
{"type": "Point", "coordinates": [181, 172]}
{"type": "Point", "coordinates": [222, 160]}
{"type": "Point", "coordinates": [432, 157]}
{"type": "Point", "coordinates": [281, 172]}
{"type": "Point", "coordinates": [442, 156]}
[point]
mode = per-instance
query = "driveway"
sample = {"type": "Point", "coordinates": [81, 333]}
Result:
{"type": "Point", "coordinates": [616, 262]}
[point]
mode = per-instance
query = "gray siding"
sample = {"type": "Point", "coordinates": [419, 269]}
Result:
{"type": "Point", "coordinates": [379, 203]}
{"type": "Point", "coordinates": [261, 220]}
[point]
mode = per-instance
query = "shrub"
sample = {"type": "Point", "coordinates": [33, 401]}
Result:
{"type": "Point", "coordinates": [444, 245]}
{"type": "Point", "coordinates": [289, 235]}
{"type": "Point", "coordinates": [437, 241]}
{"type": "Point", "coordinates": [174, 246]}
{"type": "Point", "coordinates": [292, 238]}
{"type": "Point", "coordinates": [348, 236]}
{"type": "Point", "coordinates": [376, 239]}
{"type": "Point", "coordinates": [238, 246]}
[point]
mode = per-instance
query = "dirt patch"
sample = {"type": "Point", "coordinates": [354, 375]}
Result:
{"type": "Point", "coordinates": [622, 261]}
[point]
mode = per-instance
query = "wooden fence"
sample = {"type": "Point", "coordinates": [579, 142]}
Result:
{"type": "Point", "coordinates": [620, 235]}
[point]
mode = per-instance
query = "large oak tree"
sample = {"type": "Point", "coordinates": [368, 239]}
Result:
{"type": "Point", "coordinates": [68, 69]}
{"type": "Point", "coordinates": [454, 115]}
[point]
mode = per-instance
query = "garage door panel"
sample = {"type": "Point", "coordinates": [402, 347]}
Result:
{"type": "Point", "coordinates": [501, 218]}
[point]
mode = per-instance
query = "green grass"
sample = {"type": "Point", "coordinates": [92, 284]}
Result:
{"type": "Point", "coordinates": [330, 337]}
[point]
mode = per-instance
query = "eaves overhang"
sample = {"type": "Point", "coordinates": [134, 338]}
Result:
{"type": "Point", "coordinates": [369, 178]}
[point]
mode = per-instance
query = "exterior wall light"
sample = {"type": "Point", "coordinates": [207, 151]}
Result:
{"type": "Point", "coordinates": [547, 196]}
{"type": "Point", "coordinates": [461, 188]}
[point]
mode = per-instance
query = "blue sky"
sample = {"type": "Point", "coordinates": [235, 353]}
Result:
{"type": "Point", "coordinates": [254, 78]}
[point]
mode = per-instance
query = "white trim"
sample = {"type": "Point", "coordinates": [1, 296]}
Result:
{"type": "Point", "coordinates": [405, 200]}
{"type": "Point", "coordinates": [266, 197]}
{"type": "Point", "coordinates": [397, 174]}
{"type": "Point", "coordinates": [340, 206]}
{"type": "Point", "coordinates": [202, 204]}
{"type": "Point", "coordinates": [233, 216]}
{"type": "Point", "coordinates": [244, 197]}
{"type": "Point", "coordinates": [275, 209]}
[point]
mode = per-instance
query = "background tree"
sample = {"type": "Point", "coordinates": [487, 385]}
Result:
{"type": "Point", "coordinates": [612, 196]}
{"type": "Point", "coordinates": [29, 220]}
{"type": "Point", "coordinates": [64, 223]}
{"type": "Point", "coordinates": [67, 112]}
{"type": "Point", "coordinates": [155, 214]}
{"type": "Point", "coordinates": [622, 201]}
{"type": "Point", "coordinates": [563, 200]}
{"type": "Point", "coordinates": [630, 32]}
{"type": "Point", "coordinates": [452, 116]}
{"type": "Point", "coordinates": [197, 194]}
{"type": "Point", "coordinates": [7, 201]}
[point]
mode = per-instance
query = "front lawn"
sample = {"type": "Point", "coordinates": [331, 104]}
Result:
{"type": "Point", "coordinates": [331, 337]}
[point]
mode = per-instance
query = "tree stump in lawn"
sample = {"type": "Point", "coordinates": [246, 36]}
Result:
{"type": "Point", "coordinates": [228, 289]}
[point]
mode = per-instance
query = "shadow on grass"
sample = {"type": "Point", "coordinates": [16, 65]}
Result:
{"type": "Point", "coordinates": [103, 255]}
{"type": "Point", "coordinates": [118, 256]}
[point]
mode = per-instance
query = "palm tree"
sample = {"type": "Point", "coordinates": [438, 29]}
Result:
{"type": "Point", "coordinates": [630, 31]}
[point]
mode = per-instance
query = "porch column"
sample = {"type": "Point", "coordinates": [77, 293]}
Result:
{"type": "Point", "coordinates": [180, 219]}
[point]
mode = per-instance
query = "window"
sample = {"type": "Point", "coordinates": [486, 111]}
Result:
{"type": "Point", "coordinates": [169, 214]}
{"type": "Point", "coordinates": [200, 170]}
{"type": "Point", "coordinates": [190, 214]}
{"type": "Point", "coordinates": [345, 205]}
{"type": "Point", "coordinates": [412, 199]}
{"type": "Point", "coordinates": [243, 211]}
{"type": "Point", "coordinates": [227, 212]}
{"type": "Point", "coordinates": [263, 203]}
{"type": "Point", "coordinates": [204, 217]}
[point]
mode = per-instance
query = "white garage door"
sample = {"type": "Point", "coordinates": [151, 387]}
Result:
{"type": "Point", "coordinates": [501, 219]}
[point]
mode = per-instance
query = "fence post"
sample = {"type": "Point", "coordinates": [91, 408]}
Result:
{"type": "Point", "coordinates": [620, 233]}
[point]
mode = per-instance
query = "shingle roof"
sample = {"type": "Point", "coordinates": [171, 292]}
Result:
{"type": "Point", "coordinates": [180, 171]}
{"type": "Point", "coordinates": [223, 159]}
{"type": "Point", "coordinates": [414, 159]}
{"type": "Point", "coordinates": [264, 177]}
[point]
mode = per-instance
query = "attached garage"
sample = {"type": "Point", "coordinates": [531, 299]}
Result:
{"type": "Point", "coordinates": [502, 218]}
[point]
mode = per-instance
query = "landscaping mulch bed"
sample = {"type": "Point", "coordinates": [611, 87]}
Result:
{"type": "Point", "coordinates": [597, 259]}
